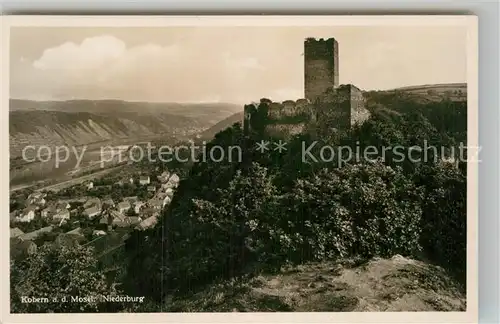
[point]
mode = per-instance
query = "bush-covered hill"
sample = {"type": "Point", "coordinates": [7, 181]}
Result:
{"type": "Point", "coordinates": [232, 219]}
{"type": "Point", "coordinates": [272, 232]}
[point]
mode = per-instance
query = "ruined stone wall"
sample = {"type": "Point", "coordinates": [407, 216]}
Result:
{"type": "Point", "coordinates": [321, 67]}
{"type": "Point", "coordinates": [286, 130]}
{"type": "Point", "coordinates": [349, 103]}
{"type": "Point", "coordinates": [281, 118]}
{"type": "Point", "coordinates": [359, 113]}
{"type": "Point", "coordinates": [279, 112]}
{"type": "Point", "coordinates": [339, 108]}
{"type": "Point", "coordinates": [327, 104]}
{"type": "Point", "coordinates": [248, 110]}
{"type": "Point", "coordinates": [334, 114]}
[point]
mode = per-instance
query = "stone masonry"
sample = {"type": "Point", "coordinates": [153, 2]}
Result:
{"type": "Point", "coordinates": [343, 106]}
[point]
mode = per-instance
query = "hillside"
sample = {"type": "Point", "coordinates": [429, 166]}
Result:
{"type": "Point", "coordinates": [82, 122]}
{"type": "Point", "coordinates": [436, 87]}
{"type": "Point", "coordinates": [213, 111]}
{"type": "Point", "coordinates": [380, 285]}
{"type": "Point", "coordinates": [64, 128]}
{"type": "Point", "coordinates": [231, 220]}
{"type": "Point", "coordinates": [222, 125]}
{"type": "Point", "coordinates": [436, 92]}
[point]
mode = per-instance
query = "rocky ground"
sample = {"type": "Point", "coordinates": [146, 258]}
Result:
{"type": "Point", "coordinates": [396, 284]}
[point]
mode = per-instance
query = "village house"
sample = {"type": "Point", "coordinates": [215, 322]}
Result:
{"type": "Point", "coordinates": [120, 222]}
{"type": "Point", "coordinates": [15, 232]}
{"type": "Point", "coordinates": [123, 206]}
{"type": "Point", "coordinates": [54, 208]}
{"type": "Point", "coordinates": [134, 220]}
{"type": "Point", "coordinates": [93, 201]}
{"type": "Point", "coordinates": [151, 188]}
{"type": "Point", "coordinates": [36, 195]}
{"type": "Point", "coordinates": [149, 212]}
{"type": "Point", "coordinates": [36, 198]}
{"type": "Point", "coordinates": [144, 180]}
{"type": "Point", "coordinates": [168, 185]}
{"type": "Point", "coordinates": [161, 195]}
{"type": "Point", "coordinates": [147, 223]}
{"type": "Point", "coordinates": [169, 192]}
{"type": "Point", "coordinates": [128, 221]}
{"type": "Point", "coordinates": [106, 219]}
{"type": "Point", "coordinates": [155, 203]}
{"type": "Point", "coordinates": [90, 185]}
{"type": "Point", "coordinates": [114, 218]}
{"type": "Point", "coordinates": [109, 202]}
{"type": "Point", "coordinates": [27, 215]}
{"type": "Point", "coordinates": [174, 179]}
{"type": "Point", "coordinates": [166, 201]}
{"type": "Point", "coordinates": [164, 176]}
{"type": "Point", "coordinates": [62, 205]}
{"type": "Point", "coordinates": [131, 199]}
{"type": "Point", "coordinates": [40, 202]}
{"type": "Point", "coordinates": [49, 211]}
{"type": "Point", "coordinates": [60, 216]}
{"type": "Point", "coordinates": [138, 205]}
{"type": "Point", "coordinates": [165, 186]}
{"type": "Point", "coordinates": [131, 180]}
{"type": "Point", "coordinates": [92, 211]}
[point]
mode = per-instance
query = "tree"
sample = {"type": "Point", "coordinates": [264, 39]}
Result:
{"type": "Point", "coordinates": [358, 210]}
{"type": "Point", "coordinates": [223, 234]}
{"type": "Point", "coordinates": [444, 218]}
{"type": "Point", "coordinates": [59, 274]}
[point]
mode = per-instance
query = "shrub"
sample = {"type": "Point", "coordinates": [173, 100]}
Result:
{"type": "Point", "coordinates": [361, 210]}
{"type": "Point", "coordinates": [59, 273]}
{"type": "Point", "coordinates": [218, 237]}
{"type": "Point", "coordinates": [444, 219]}
{"type": "Point", "coordinates": [364, 210]}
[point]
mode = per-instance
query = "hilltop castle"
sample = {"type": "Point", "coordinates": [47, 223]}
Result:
{"type": "Point", "coordinates": [342, 106]}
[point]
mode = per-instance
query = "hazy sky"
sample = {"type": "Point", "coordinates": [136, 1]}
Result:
{"type": "Point", "coordinates": [239, 65]}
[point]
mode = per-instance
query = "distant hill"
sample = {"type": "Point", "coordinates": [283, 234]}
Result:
{"type": "Point", "coordinates": [81, 122]}
{"type": "Point", "coordinates": [437, 87]}
{"type": "Point", "coordinates": [223, 124]}
{"type": "Point", "coordinates": [213, 111]}
{"type": "Point", "coordinates": [436, 92]}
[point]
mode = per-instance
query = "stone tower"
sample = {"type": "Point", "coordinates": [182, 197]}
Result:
{"type": "Point", "coordinates": [321, 67]}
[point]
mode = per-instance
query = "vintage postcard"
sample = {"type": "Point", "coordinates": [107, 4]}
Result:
{"type": "Point", "coordinates": [240, 169]}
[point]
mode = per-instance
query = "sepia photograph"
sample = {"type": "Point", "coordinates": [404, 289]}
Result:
{"type": "Point", "coordinates": [210, 165]}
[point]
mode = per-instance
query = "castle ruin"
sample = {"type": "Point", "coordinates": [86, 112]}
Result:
{"type": "Point", "coordinates": [321, 67]}
{"type": "Point", "coordinates": [341, 106]}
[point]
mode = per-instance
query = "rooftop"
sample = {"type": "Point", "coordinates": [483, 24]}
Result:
{"type": "Point", "coordinates": [14, 232]}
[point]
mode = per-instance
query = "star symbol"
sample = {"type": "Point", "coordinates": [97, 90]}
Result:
{"type": "Point", "coordinates": [262, 146]}
{"type": "Point", "coordinates": [280, 146]}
